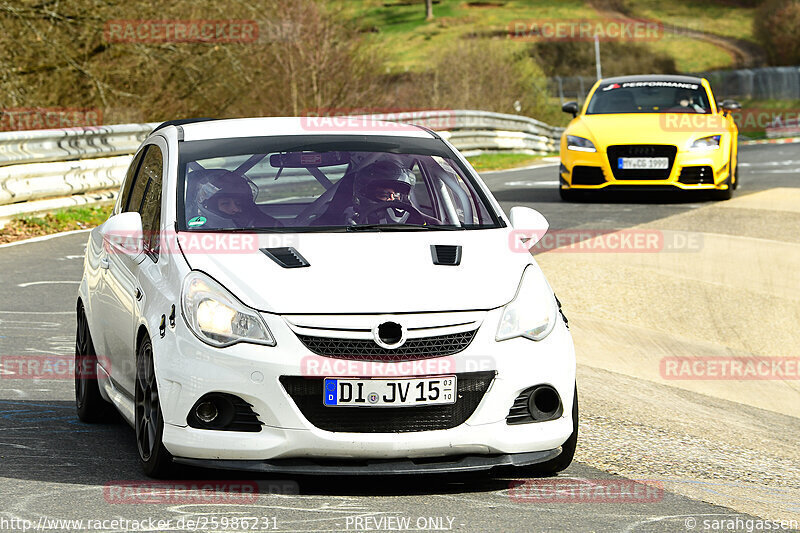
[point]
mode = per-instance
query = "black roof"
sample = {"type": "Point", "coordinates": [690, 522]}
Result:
{"type": "Point", "coordinates": [654, 77]}
{"type": "Point", "coordinates": [180, 122]}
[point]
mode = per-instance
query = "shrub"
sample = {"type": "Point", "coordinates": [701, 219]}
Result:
{"type": "Point", "coordinates": [617, 59]}
{"type": "Point", "coordinates": [483, 74]}
{"type": "Point", "coordinates": [775, 25]}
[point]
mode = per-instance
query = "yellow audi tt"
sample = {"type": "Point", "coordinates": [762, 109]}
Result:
{"type": "Point", "coordinates": [650, 132]}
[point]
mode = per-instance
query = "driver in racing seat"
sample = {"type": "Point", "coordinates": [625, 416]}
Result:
{"type": "Point", "coordinates": [382, 195]}
{"type": "Point", "coordinates": [684, 98]}
{"type": "Point", "coordinates": [229, 195]}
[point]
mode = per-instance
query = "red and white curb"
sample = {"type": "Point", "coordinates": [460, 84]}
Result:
{"type": "Point", "coordinates": [786, 140]}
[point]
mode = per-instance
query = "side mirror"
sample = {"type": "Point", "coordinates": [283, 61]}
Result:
{"type": "Point", "coordinates": [570, 107]}
{"type": "Point", "coordinates": [123, 233]}
{"type": "Point", "coordinates": [529, 224]}
{"type": "Point", "coordinates": [730, 105]}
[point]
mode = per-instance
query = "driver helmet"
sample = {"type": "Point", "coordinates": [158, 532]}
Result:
{"type": "Point", "coordinates": [226, 185]}
{"type": "Point", "coordinates": [381, 182]}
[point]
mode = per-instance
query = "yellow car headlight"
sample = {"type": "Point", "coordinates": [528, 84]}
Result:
{"type": "Point", "coordinates": [706, 143]}
{"type": "Point", "coordinates": [580, 144]}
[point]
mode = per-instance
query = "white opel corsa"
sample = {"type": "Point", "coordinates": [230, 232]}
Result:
{"type": "Point", "coordinates": [273, 295]}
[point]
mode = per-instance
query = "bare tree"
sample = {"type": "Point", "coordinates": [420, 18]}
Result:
{"type": "Point", "coordinates": [57, 54]}
{"type": "Point", "coordinates": [428, 9]}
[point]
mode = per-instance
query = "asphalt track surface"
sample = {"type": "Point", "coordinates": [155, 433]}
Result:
{"type": "Point", "coordinates": [54, 467]}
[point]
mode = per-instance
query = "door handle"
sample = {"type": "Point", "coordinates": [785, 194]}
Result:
{"type": "Point", "coordinates": [104, 264]}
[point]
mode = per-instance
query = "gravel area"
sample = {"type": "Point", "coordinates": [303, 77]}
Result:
{"type": "Point", "coordinates": [698, 446]}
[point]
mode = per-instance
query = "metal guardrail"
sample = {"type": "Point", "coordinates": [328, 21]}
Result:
{"type": "Point", "coordinates": [768, 83]}
{"type": "Point", "coordinates": [48, 169]}
{"type": "Point", "coordinates": [17, 147]}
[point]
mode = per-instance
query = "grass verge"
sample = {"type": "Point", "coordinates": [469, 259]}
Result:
{"type": "Point", "coordinates": [400, 29]}
{"type": "Point", "coordinates": [72, 218]}
{"type": "Point", "coordinates": [504, 161]}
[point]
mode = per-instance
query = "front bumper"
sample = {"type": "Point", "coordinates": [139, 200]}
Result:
{"type": "Point", "coordinates": [187, 369]}
{"type": "Point", "coordinates": [461, 464]}
{"type": "Point", "coordinates": [690, 171]}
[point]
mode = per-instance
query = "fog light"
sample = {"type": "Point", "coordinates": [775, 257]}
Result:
{"type": "Point", "coordinates": [544, 403]}
{"type": "Point", "coordinates": [206, 412]}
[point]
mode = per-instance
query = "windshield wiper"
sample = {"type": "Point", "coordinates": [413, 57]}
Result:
{"type": "Point", "coordinates": [279, 229]}
{"type": "Point", "coordinates": [399, 227]}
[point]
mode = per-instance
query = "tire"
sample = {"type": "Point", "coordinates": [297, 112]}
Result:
{"type": "Point", "coordinates": [569, 195]}
{"type": "Point", "coordinates": [564, 459]}
{"type": "Point", "coordinates": [154, 458]}
{"type": "Point", "coordinates": [727, 194]}
{"type": "Point", "coordinates": [89, 404]}
{"type": "Point", "coordinates": [736, 174]}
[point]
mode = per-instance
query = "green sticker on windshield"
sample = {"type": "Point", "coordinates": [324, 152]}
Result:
{"type": "Point", "coordinates": [197, 221]}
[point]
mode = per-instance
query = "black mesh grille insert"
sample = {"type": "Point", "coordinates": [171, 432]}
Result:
{"type": "Point", "coordinates": [695, 175]}
{"type": "Point", "coordinates": [519, 414]}
{"type": "Point", "coordinates": [307, 395]}
{"type": "Point", "coordinates": [583, 175]}
{"type": "Point", "coordinates": [286, 257]}
{"type": "Point", "coordinates": [446, 254]}
{"type": "Point", "coordinates": [368, 350]}
{"type": "Point", "coordinates": [641, 150]}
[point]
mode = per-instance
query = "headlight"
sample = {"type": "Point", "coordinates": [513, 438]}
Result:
{"type": "Point", "coordinates": [579, 144]}
{"type": "Point", "coordinates": [533, 311]}
{"type": "Point", "coordinates": [217, 317]}
{"type": "Point", "coordinates": [706, 143]}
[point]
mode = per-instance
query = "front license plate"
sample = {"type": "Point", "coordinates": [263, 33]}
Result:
{"type": "Point", "coordinates": [340, 392]}
{"type": "Point", "coordinates": [642, 163]}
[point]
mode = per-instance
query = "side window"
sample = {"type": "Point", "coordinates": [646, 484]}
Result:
{"type": "Point", "coordinates": [145, 197]}
{"type": "Point", "coordinates": [136, 194]}
{"type": "Point", "coordinates": [420, 196]}
{"type": "Point", "coordinates": [127, 185]}
{"type": "Point", "coordinates": [151, 172]}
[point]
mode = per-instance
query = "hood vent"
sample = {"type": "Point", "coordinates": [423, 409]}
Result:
{"type": "Point", "coordinates": [286, 257]}
{"type": "Point", "coordinates": [446, 254]}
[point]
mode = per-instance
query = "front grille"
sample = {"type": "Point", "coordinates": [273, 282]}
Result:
{"type": "Point", "coordinates": [368, 349]}
{"type": "Point", "coordinates": [583, 175]}
{"type": "Point", "coordinates": [695, 175]}
{"type": "Point", "coordinates": [307, 395]}
{"type": "Point", "coordinates": [641, 150]}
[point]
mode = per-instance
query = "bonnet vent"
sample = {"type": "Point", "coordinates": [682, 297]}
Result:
{"type": "Point", "coordinates": [286, 257]}
{"type": "Point", "coordinates": [446, 254]}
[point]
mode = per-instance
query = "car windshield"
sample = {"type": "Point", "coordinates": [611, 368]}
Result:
{"type": "Point", "coordinates": [261, 184]}
{"type": "Point", "coordinates": [649, 97]}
